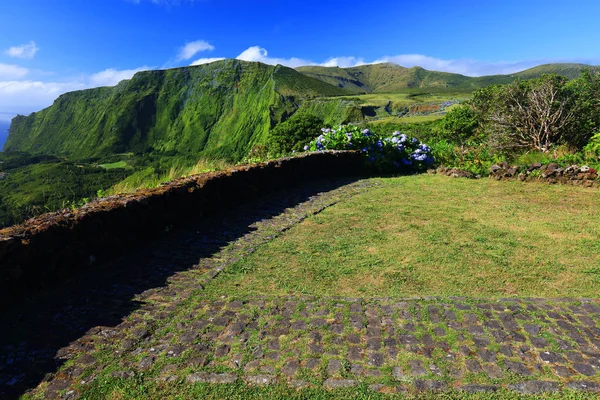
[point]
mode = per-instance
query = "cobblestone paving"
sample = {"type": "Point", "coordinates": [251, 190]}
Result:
{"type": "Point", "coordinates": [76, 317]}
{"type": "Point", "coordinates": [393, 345]}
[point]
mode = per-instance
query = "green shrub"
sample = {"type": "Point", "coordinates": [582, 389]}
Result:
{"type": "Point", "coordinates": [459, 125]}
{"type": "Point", "coordinates": [294, 133]}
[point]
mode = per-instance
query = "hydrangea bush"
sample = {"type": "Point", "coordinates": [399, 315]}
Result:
{"type": "Point", "coordinates": [396, 152]}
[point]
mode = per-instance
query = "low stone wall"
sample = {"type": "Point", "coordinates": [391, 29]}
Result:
{"type": "Point", "coordinates": [53, 245]}
{"type": "Point", "coordinates": [537, 172]}
{"type": "Point", "coordinates": [550, 173]}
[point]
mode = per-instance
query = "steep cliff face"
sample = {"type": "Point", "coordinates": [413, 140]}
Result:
{"type": "Point", "coordinates": [219, 109]}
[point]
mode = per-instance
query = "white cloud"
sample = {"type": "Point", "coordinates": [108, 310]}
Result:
{"type": "Point", "coordinates": [260, 54]}
{"type": "Point", "coordinates": [201, 61]}
{"type": "Point", "coordinates": [24, 51]}
{"type": "Point", "coordinates": [8, 71]}
{"type": "Point", "coordinates": [26, 96]}
{"type": "Point", "coordinates": [191, 49]}
{"type": "Point", "coordinates": [111, 76]}
{"type": "Point", "coordinates": [344, 62]}
{"type": "Point", "coordinates": [19, 97]}
{"type": "Point", "coordinates": [466, 67]}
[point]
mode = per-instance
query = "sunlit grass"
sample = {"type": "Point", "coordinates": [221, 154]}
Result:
{"type": "Point", "coordinates": [150, 177]}
{"type": "Point", "coordinates": [435, 236]}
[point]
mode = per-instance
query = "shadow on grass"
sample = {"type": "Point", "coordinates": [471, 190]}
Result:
{"type": "Point", "coordinates": [33, 332]}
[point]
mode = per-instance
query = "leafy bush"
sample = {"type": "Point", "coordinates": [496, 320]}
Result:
{"type": "Point", "coordinates": [459, 124]}
{"type": "Point", "coordinates": [592, 149]}
{"type": "Point", "coordinates": [292, 134]}
{"type": "Point", "coordinates": [393, 153]}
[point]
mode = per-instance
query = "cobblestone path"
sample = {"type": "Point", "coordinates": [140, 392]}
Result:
{"type": "Point", "coordinates": [165, 329]}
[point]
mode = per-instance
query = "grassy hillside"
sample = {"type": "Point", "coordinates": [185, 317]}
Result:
{"type": "Point", "coordinates": [390, 78]}
{"type": "Point", "coordinates": [219, 109]}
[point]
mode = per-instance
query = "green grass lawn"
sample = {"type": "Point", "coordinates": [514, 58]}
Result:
{"type": "Point", "coordinates": [430, 235]}
{"type": "Point", "coordinates": [118, 164]}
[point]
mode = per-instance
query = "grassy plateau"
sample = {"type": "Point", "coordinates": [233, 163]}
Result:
{"type": "Point", "coordinates": [433, 236]}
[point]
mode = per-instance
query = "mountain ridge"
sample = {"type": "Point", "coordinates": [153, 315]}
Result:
{"type": "Point", "coordinates": [389, 77]}
{"type": "Point", "coordinates": [217, 109]}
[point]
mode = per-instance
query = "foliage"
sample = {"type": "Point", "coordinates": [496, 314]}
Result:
{"type": "Point", "coordinates": [540, 113]}
{"type": "Point", "coordinates": [29, 190]}
{"type": "Point", "coordinates": [459, 124]}
{"type": "Point", "coordinates": [473, 157]}
{"type": "Point", "coordinates": [294, 133]}
{"type": "Point", "coordinates": [592, 149]}
{"type": "Point", "coordinates": [394, 153]}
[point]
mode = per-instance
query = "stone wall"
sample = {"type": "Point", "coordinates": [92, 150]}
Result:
{"type": "Point", "coordinates": [53, 245]}
{"type": "Point", "coordinates": [551, 173]}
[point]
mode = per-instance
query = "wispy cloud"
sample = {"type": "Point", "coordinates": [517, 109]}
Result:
{"type": "Point", "coordinates": [111, 76]}
{"type": "Point", "coordinates": [201, 61]}
{"type": "Point", "coordinates": [25, 96]}
{"type": "Point", "coordinates": [192, 48]}
{"type": "Point", "coordinates": [466, 67]}
{"type": "Point", "coordinates": [8, 71]}
{"type": "Point", "coordinates": [344, 62]}
{"type": "Point", "coordinates": [23, 51]}
{"type": "Point", "coordinates": [257, 53]}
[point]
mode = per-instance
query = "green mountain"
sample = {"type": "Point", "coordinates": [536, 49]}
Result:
{"type": "Point", "coordinates": [219, 109]}
{"type": "Point", "coordinates": [571, 71]}
{"type": "Point", "coordinates": [390, 78]}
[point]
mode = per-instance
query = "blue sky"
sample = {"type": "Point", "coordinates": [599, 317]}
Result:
{"type": "Point", "coordinates": [48, 47]}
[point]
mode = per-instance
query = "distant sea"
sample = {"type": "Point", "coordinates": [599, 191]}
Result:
{"type": "Point", "coordinates": [3, 133]}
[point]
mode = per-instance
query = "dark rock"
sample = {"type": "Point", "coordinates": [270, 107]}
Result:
{"type": "Point", "coordinates": [416, 367]}
{"type": "Point", "coordinates": [334, 366]}
{"type": "Point", "coordinates": [474, 388]}
{"type": "Point", "coordinates": [209, 377]}
{"type": "Point", "coordinates": [551, 357]}
{"type": "Point", "coordinates": [583, 386]}
{"type": "Point", "coordinates": [260, 380]}
{"type": "Point", "coordinates": [290, 367]}
{"type": "Point", "coordinates": [534, 387]}
{"type": "Point", "coordinates": [339, 383]}
{"type": "Point", "coordinates": [429, 385]}
{"type": "Point", "coordinates": [585, 369]}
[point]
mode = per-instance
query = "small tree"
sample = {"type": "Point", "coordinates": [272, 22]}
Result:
{"type": "Point", "coordinates": [294, 134]}
{"type": "Point", "coordinates": [532, 114]}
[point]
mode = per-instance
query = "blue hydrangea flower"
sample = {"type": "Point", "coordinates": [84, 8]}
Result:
{"type": "Point", "coordinates": [414, 140]}
{"type": "Point", "coordinates": [379, 144]}
{"type": "Point", "coordinates": [406, 161]}
{"type": "Point", "coordinates": [325, 130]}
{"type": "Point", "coordinates": [396, 133]}
{"type": "Point", "coordinates": [305, 148]}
